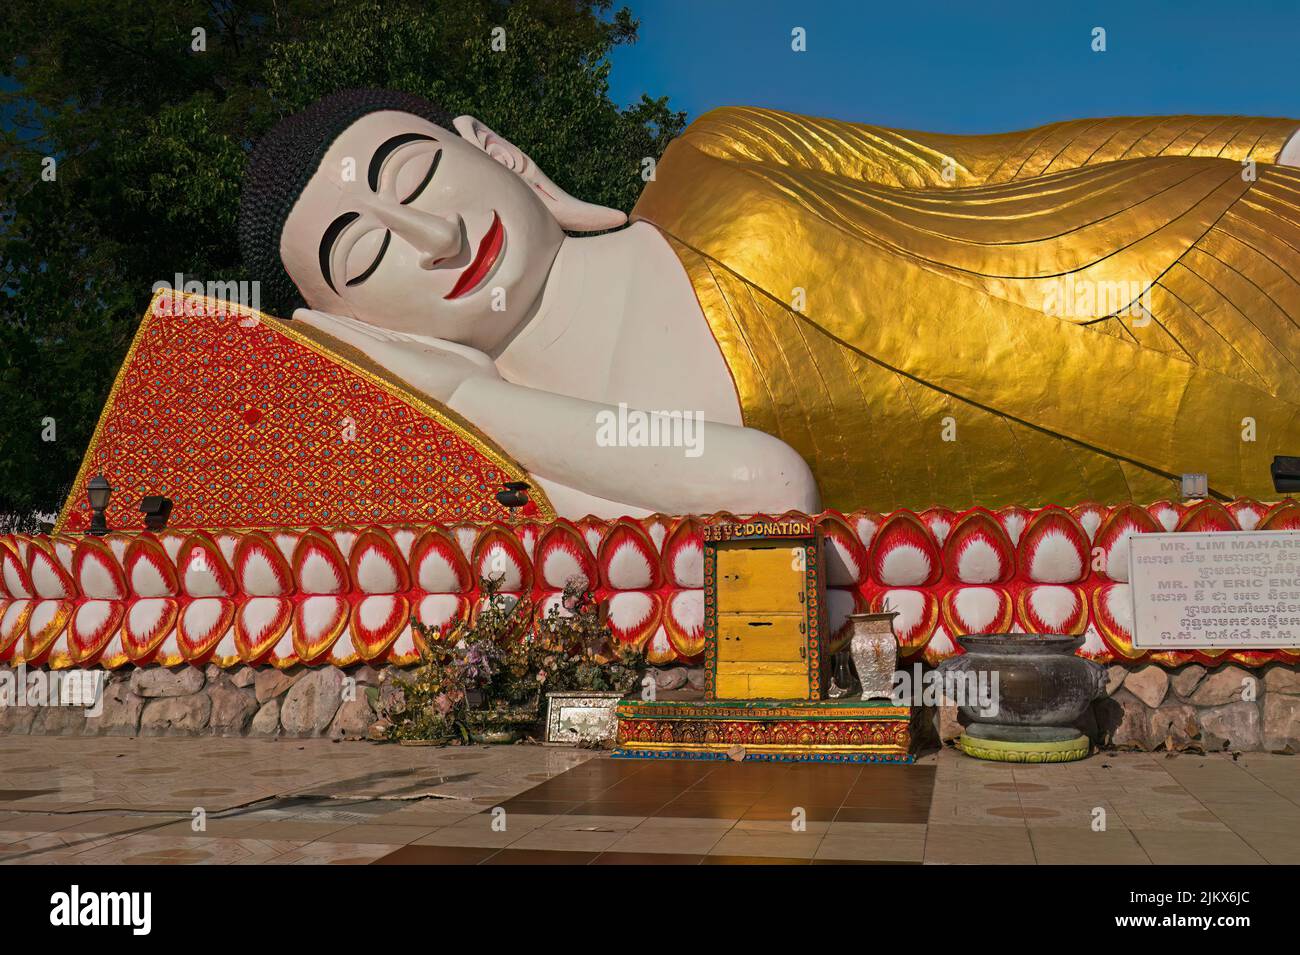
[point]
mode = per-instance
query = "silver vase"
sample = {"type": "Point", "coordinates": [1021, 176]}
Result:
{"type": "Point", "coordinates": [875, 653]}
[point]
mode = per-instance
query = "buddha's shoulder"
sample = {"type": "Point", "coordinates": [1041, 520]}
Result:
{"type": "Point", "coordinates": [915, 159]}
{"type": "Point", "coordinates": [756, 135]}
{"type": "Point", "coordinates": [748, 119]}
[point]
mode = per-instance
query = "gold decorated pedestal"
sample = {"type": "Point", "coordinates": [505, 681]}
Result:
{"type": "Point", "coordinates": [766, 661]}
{"type": "Point", "coordinates": [830, 731]}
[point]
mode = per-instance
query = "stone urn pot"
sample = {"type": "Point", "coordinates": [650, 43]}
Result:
{"type": "Point", "coordinates": [1039, 691]}
{"type": "Point", "coordinates": [874, 649]}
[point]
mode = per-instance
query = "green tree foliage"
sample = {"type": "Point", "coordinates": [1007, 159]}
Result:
{"type": "Point", "coordinates": [150, 136]}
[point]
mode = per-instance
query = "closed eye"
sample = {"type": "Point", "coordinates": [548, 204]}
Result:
{"type": "Point", "coordinates": [428, 176]}
{"type": "Point", "coordinates": [379, 257]}
{"type": "Point", "coordinates": [327, 241]}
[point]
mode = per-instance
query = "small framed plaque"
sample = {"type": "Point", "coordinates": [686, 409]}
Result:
{"type": "Point", "coordinates": [1234, 590]}
{"type": "Point", "coordinates": [581, 716]}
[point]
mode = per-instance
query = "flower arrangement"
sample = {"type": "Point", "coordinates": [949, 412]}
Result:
{"type": "Point", "coordinates": [581, 653]}
{"type": "Point", "coordinates": [491, 670]}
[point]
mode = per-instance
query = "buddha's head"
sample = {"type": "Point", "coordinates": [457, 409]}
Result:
{"type": "Point", "coordinates": [380, 206]}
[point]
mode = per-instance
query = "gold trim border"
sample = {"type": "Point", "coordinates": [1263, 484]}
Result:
{"type": "Point", "coordinates": [816, 711]}
{"type": "Point", "coordinates": [390, 385]}
{"type": "Point", "coordinates": [721, 747]}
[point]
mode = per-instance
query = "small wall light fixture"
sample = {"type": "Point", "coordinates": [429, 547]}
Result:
{"type": "Point", "coordinates": [156, 509]}
{"type": "Point", "coordinates": [1286, 474]}
{"type": "Point", "coordinates": [513, 494]}
{"type": "Point", "coordinates": [1195, 486]}
{"type": "Point", "coordinates": [98, 491]}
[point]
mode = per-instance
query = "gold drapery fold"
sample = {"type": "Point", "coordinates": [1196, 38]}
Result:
{"type": "Point", "coordinates": [919, 338]}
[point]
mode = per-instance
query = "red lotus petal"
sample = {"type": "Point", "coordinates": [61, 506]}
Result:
{"type": "Point", "coordinates": [438, 565]}
{"type": "Point", "coordinates": [318, 623]}
{"type": "Point", "coordinates": [499, 554]}
{"type": "Point", "coordinates": [562, 553]}
{"type": "Point", "coordinates": [846, 558]}
{"type": "Point", "coordinates": [627, 558]}
{"type": "Point", "coordinates": [376, 565]}
{"type": "Point", "coordinates": [149, 621]}
{"type": "Point", "coordinates": [1207, 516]}
{"type": "Point", "coordinates": [97, 571]}
{"type": "Point", "coordinates": [1090, 517]}
{"type": "Point", "coordinates": [904, 552]}
{"type": "Point", "coordinates": [1247, 513]}
{"type": "Point", "coordinates": [940, 521]}
{"type": "Point", "coordinates": [1054, 549]}
{"type": "Point", "coordinates": [918, 615]}
{"type": "Point", "coordinates": [1052, 608]}
{"type": "Point", "coordinates": [1112, 613]}
{"type": "Point", "coordinates": [48, 620]}
{"type": "Point", "coordinates": [683, 622]}
{"type": "Point", "coordinates": [1110, 544]}
{"type": "Point", "coordinates": [1014, 519]}
{"type": "Point", "coordinates": [49, 579]}
{"type": "Point", "coordinates": [682, 555]}
{"type": "Point", "coordinates": [968, 610]}
{"type": "Point", "coordinates": [376, 621]}
{"type": "Point", "coordinates": [150, 571]}
{"type": "Point", "coordinates": [13, 571]}
{"type": "Point", "coordinates": [318, 565]}
{"type": "Point", "coordinates": [593, 530]}
{"type": "Point", "coordinates": [201, 625]}
{"type": "Point", "coordinates": [1282, 516]}
{"type": "Point", "coordinates": [94, 624]}
{"type": "Point", "coordinates": [202, 568]}
{"type": "Point", "coordinates": [14, 615]}
{"type": "Point", "coordinates": [261, 568]}
{"type": "Point", "coordinates": [978, 550]}
{"type": "Point", "coordinates": [1166, 513]}
{"type": "Point", "coordinates": [634, 616]}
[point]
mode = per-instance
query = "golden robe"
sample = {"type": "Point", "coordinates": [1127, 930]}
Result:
{"type": "Point", "coordinates": [908, 310]}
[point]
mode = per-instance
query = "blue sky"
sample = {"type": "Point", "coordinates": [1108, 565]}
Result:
{"type": "Point", "coordinates": [987, 66]}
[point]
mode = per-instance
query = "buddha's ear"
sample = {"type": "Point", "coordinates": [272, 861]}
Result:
{"type": "Point", "coordinates": [572, 214]}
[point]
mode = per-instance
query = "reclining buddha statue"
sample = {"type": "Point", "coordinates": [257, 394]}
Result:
{"type": "Point", "coordinates": [815, 313]}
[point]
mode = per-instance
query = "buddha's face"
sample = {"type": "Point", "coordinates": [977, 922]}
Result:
{"type": "Point", "coordinates": [407, 226]}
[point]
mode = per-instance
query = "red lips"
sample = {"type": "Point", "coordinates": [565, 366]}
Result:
{"type": "Point", "coordinates": [488, 250]}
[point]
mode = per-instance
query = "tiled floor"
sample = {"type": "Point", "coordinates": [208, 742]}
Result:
{"type": "Point", "coordinates": [217, 801]}
{"type": "Point", "coordinates": [689, 812]}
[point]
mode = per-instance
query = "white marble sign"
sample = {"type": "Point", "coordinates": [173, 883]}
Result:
{"type": "Point", "coordinates": [1233, 589]}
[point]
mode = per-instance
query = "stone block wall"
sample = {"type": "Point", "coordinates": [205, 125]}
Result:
{"type": "Point", "coordinates": [1145, 707]}
{"type": "Point", "coordinates": [1214, 709]}
{"type": "Point", "coordinates": [211, 701]}
{"type": "Point", "coordinates": [1224, 708]}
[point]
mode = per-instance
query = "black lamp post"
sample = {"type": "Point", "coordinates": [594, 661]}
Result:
{"type": "Point", "coordinates": [513, 494]}
{"type": "Point", "coordinates": [98, 490]}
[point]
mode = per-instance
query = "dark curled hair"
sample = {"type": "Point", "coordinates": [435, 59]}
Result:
{"type": "Point", "coordinates": [281, 165]}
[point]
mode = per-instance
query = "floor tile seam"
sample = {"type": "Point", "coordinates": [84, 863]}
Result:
{"type": "Point", "coordinates": [1141, 848]}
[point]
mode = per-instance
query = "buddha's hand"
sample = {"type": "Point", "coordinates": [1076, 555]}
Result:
{"type": "Point", "coordinates": [431, 365]}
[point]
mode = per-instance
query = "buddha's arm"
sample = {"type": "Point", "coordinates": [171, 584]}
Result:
{"type": "Point", "coordinates": [568, 440]}
{"type": "Point", "coordinates": [431, 366]}
{"type": "Point", "coordinates": [698, 466]}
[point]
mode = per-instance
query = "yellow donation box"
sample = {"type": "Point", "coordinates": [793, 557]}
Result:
{"type": "Point", "coordinates": [763, 611]}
